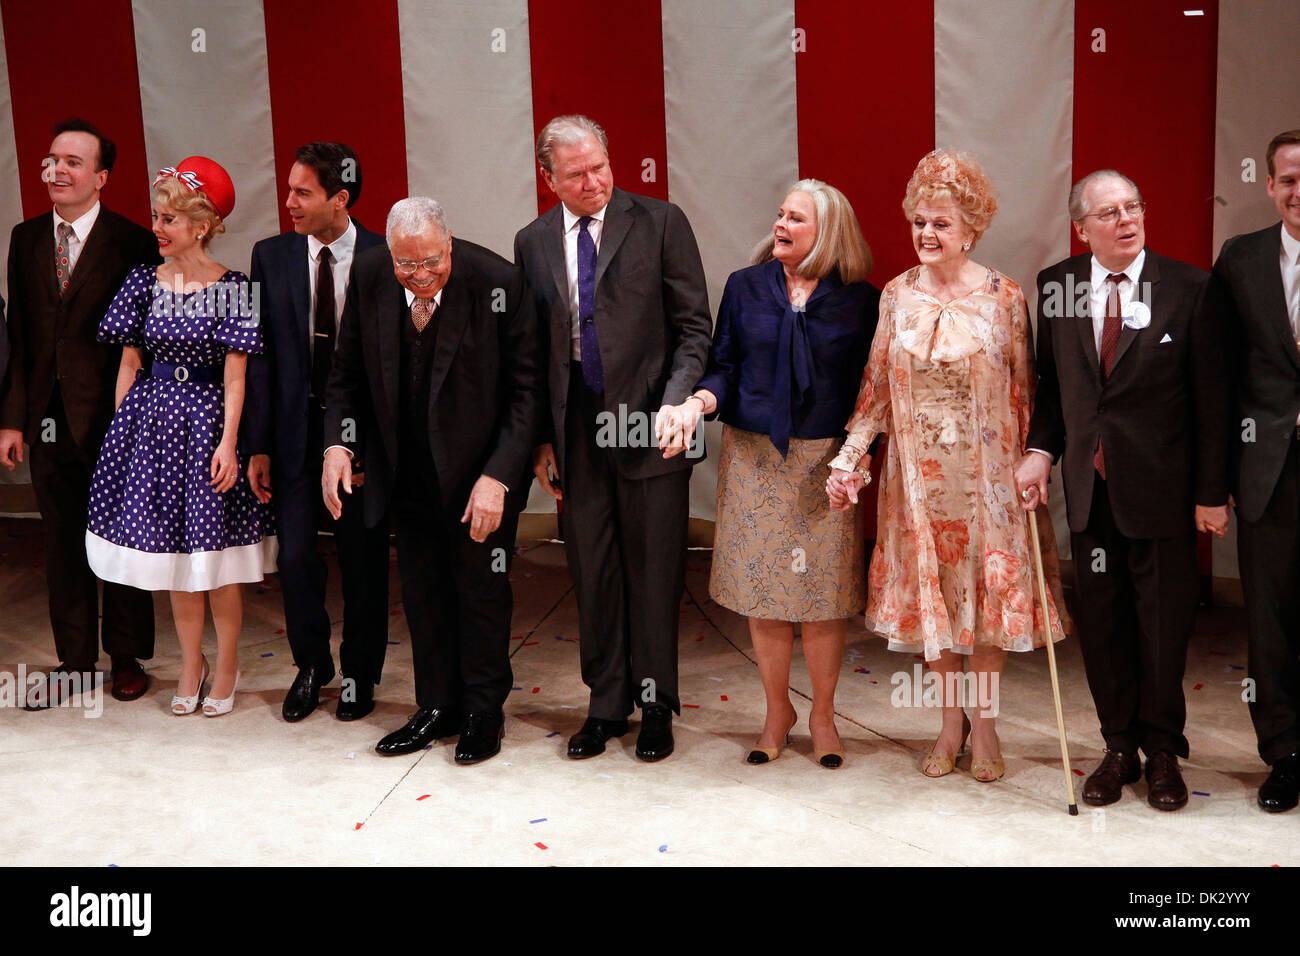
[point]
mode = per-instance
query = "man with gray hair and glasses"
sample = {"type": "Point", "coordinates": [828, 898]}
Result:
{"type": "Point", "coordinates": [1130, 398]}
{"type": "Point", "coordinates": [436, 384]}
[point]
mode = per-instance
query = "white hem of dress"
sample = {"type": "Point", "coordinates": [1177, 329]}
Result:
{"type": "Point", "coordinates": [198, 571]}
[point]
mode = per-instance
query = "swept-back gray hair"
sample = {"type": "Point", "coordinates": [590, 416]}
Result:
{"type": "Point", "coordinates": [413, 216]}
{"type": "Point", "coordinates": [565, 131]}
{"type": "Point", "coordinates": [1078, 206]}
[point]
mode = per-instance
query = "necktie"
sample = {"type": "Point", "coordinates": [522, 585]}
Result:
{"type": "Point", "coordinates": [593, 373]}
{"type": "Point", "coordinates": [1109, 341]}
{"type": "Point", "coordinates": [323, 352]}
{"type": "Point", "coordinates": [62, 257]}
{"type": "Point", "coordinates": [421, 312]}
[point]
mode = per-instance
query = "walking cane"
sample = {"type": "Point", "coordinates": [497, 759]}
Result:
{"type": "Point", "coordinates": [1051, 661]}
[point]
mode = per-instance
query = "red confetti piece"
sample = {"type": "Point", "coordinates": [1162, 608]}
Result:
{"type": "Point", "coordinates": [1198, 687]}
{"type": "Point", "coordinates": [394, 613]}
{"type": "Point", "coordinates": [724, 696]}
{"type": "Point", "coordinates": [425, 797]}
{"type": "Point", "coordinates": [875, 682]}
{"type": "Point", "coordinates": [517, 637]}
{"type": "Point", "coordinates": [700, 638]}
{"type": "Point", "coordinates": [536, 689]}
{"type": "Point", "coordinates": [696, 706]}
{"type": "Point", "coordinates": [358, 826]}
{"type": "Point", "coordinates": [861, 670]}
{"type": "Point", "coordinates": [1079, 772]}
{"type": "Point", "coordinates": [541, 846]}
{"type": "Point", "coordinates": [530, 643]}
{"type": "Point", "coordinates": [280, 631]}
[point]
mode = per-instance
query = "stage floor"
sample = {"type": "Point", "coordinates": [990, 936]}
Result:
{"type": "Point", "coordinates": [137, 786]}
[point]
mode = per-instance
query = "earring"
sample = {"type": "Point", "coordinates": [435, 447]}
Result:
{"type": "Point", "coordinates": [966, 246]}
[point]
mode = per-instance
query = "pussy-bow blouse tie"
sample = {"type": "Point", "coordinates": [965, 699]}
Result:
{"type": "Point", "coordinates": [794, 363]}
{"type": "Point", "coordinates": [935, 332]}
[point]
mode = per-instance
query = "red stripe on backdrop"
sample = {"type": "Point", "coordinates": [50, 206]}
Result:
{"type": "Point", "coordinates": [336, 76]}
{"type": "Point", "coordinates": [866, 115]}
{"type": "Point", "coordinates": [1146, 108]}
{"type": "Point", "coordinates": [618, 81]}
{"type": "Point", "coordinates": [47, 85]}
{"type": "Point", "coordinates": [866, 111]}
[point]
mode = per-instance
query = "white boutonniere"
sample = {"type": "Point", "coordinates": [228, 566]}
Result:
{"type": "Point", "coordinates": [1137, 315]}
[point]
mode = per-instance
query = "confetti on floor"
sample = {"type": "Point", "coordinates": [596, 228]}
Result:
{"type": "Point", "coordinates": [358, 826]}
{"type": "Point", "coordinates": [280, 631]}
{"type": "Point", "coordinates": [568, 707]}
{"type": "Point", "coordinates": [664, 848]}
{"type": "Point", "coordinates": [861, 670]}
{"type": "Point", "coordinates": [394, 613]}
{"type": "Point", "coordinates": [723, 696]}
{"type": "Point", "coordinates": [1198, 687]}
{"type": "Point", "coordinates": [268, 654]}
{"type": "Point", "coordinates": [516, 688]}
{"type": "Point", "coordinates": [530, 643]}
{"type": "Point", "coordinates": [553, 733]}
{"type": "Point", "coordinates": [605, 775]}
{"type": "Point", "coordinates": [394, 643]}
{"type": "Point", "coordinates": [541, 846]}
{"type": "Point", "coordinates": [424, 797]}
{"type": "Point", "coordinates": [538, 820]}
{"type": "Point", "coordinates": [1076, 770]}
{"type": "Point", "coordinates": [352, 756]}
{"type": "Point", "coordinates": [696, 706]}
{"type": "Point", "coordinates": [718, 679]}
{"type": "Point", "coordinates": [1236, 667]}
{"type": "Point", "coordinates": [1200, 793]}
{"type": "Point", "coordinates": [536, 689]}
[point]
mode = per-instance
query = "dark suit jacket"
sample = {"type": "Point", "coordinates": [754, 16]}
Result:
{"type": "Point", "coordinates": [652, 316]}
{"type": "Point", "coordinates": [52, 339]}
{"type": "Point", "coordinates": [1248, 303]}
{"type": "Point", "coordinates": [485, 387]}
{"type": "Point", "coordinates": [279, 380]}
{"type": "Point", "coordinates": [1160, 414]}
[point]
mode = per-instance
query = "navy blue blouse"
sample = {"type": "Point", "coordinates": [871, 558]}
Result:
{"type": "Point", "coordinates": [784, 372]}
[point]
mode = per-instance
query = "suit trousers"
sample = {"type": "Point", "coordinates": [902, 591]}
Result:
{"type": "Point", "coordinates": [363, 569]}
{"type": "Point", "coordinates": [61, 476]}
{"type": "Point", "coordinates": [625, 539]}
{"type": "Point", "coordinates": [1135, 607]}
{"type": "Point", "coordinates": [1269, 554]}
{"type": "Point", "coordinates": [457, 597]}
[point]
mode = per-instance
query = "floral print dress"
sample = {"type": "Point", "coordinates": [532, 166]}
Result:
{"type": "Point", "coordinates": [952, 384]}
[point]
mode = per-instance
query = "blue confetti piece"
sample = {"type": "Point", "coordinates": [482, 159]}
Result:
{"type": "Point", "coordinates": [538, 820]}
{"type": "Point", "coordinates": [268, 655]}
{"type": "Point", "coordinates": [516, 688]}
{"type": "Point", "coordinates": [428, 746]}
{"type": "Point", "coordinates": [394, 643]}
{"type": "Point", "coordinates": [553, 733]}
{"type": "Point", "coordinates": [1200, 793]}
{"type": "Point", "coordinates": [664, 848]}
{"type": "Point", "coordinates": [113, 866]}
{"type": "Point", "coordinates": [1236, 667]}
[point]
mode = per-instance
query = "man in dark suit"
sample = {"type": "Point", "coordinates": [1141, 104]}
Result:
{"type": "Point", "coordinates": [284, 414]}
{"type": "Point", "coordinates": [65, 267]}
{"type": "Point", "coordinates": [1130, 390]}
{"type": "Point", "coordinates": [437, 385]}
{"type": "Point", "coordinates": [624, 315]}
{"type": "Point", "coordinates": [1255, 298]}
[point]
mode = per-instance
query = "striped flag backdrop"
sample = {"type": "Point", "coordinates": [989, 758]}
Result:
{"type": "Point", "coordinates": [717, 105]}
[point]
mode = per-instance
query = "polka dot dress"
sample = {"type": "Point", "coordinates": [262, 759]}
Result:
{"type": "Point", "coordinates": [155, 522]}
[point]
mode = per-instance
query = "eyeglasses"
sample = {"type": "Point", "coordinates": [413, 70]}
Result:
{"type": "Point", "coordinates": [408, 268]}
{"type": "Point", "coordinates": [1136, 209]}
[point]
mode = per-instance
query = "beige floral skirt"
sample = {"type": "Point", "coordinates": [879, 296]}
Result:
{"type": "Point", "coordinates": [779, 551]}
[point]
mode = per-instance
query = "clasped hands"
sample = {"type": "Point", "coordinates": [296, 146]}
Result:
{"type": "Point", "coordinates": [843, 487]}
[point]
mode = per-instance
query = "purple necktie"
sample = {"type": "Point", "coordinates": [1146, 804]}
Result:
{"type": "Point", "coordinates": [593, 373]}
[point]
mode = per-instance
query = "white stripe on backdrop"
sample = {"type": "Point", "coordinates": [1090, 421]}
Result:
{"type": "Point", "coordinates": [733, 146]}
{"type": "Point", "coordinates": [467, 83]}
{"type": "Point", "coordinates": [1004, 89]}
{"type": "Point", "coordinates": [208, 94]}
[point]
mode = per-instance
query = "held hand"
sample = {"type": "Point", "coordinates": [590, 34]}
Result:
{"type": "Point", "coordinates": [544, 468]}
{"type": "Point", "coordinates": [843, 487]}
{"type": "Point", "coordinates": [337, 471]}
{"type": "Point", "coordinates": [1213, 520]}
{"type": "Point", "coordinates": [487, 502]}
{"type": "Point", "coordinates": [259, 476]}
{"type": "Point", "coordinates": [675, 426]}
{"type": "Point", "coordinates": [1031, 473]}
{"type": "Point", "coordinates": [11, 447]}
{"type": "Point", "coordinates": [225, 468]}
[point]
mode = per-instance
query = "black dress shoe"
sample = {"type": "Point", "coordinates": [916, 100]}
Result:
{"type": "Point", "coordinates": [59, 685]}
{"type": "Point", "coordinates": [590, 740]}
{"type": "Point", "coordinates": [1281, 791]}
{"type": "Point", "coordinates": [1106, 785]}
{"type": "Point", "coordinates": [427, 725]}
{"type": "Point", "coordinates": [655, 742]}
{"type": "Point", "coordinates": [1165, 787]}
{"type": "Point", "coordinates": [129, 679]}
{"type": "Point", "coordinates": [357, 699]}
{"type": "Point", "coordinates": [480, 738]}
{"type": "Point", "coordinates": [304, 694]}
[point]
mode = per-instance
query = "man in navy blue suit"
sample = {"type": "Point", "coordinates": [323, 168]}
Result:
{"type": "Point", "coordinates": [302, 279]}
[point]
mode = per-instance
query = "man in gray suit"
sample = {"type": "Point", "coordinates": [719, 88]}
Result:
{"type": "Point", "coordinates": [624, 314]}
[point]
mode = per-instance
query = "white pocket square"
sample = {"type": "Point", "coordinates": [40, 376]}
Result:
{"type": "Point", "coordinates": [1167, 338]}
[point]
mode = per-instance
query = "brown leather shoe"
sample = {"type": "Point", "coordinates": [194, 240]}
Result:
{"type": "Point", "coordinates": [129, 679]}
{"type": "Point", "coordinates": [1165, 787]}
{"type": "Point", "coordinates": [1106, 785]}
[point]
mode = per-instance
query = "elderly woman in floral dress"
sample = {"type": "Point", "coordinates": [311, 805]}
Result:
{"type": "Point", "coordinates": [950, 380]}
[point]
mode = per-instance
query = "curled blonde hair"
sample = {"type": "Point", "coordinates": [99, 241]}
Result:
{"type": "Point", "coordinates": [949, 174]}
{"type": "Point", "coordinates": [196, 206]}
{"type": "Point", "coordinates": [839, 243]}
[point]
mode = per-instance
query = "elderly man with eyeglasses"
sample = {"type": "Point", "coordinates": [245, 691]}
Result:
{"type": "Point", "coordinates": [1131, 398]}
{"type": "Point", "coordinates": [436, 384]}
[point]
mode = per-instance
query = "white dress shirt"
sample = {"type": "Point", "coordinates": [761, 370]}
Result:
{"type": "Point", "coordinates": [571, 229]}
{"type": "Point", "coordinates": [1100, 293]}
{"type": "Point", "coordinates": [1289, 260]}
{"type": "Point", "coordinates": [341, 249]}
{"type": "Point", "coordinates": [80, 230]}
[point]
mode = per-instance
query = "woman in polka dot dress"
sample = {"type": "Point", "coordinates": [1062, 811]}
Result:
{"type": "Point", "coordinates": [170, 507]}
